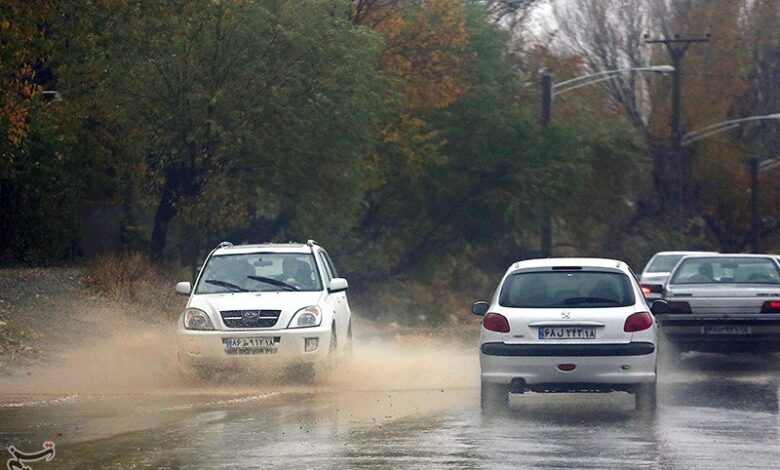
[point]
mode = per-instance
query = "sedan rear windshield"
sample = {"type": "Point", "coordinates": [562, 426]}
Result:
{"type": "Point", "coordinates": [663, 263]}
{"type": "Point", "coordinates": [723, 270]}
{"type": "Point", "coordinates": [567, 289]}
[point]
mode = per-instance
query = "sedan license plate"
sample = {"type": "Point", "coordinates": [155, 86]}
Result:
{"type": "Point", "coordinates": [567, 333]}
{"type": "Point", "coordinates": [726, 330]}
{"type": "Point", "coordinates": [251, 345]}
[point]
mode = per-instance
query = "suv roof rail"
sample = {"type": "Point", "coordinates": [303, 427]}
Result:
{"type": "Point", "coordinates": [224, 245]}
{"type": "Point", "coordinates": [312, 243]}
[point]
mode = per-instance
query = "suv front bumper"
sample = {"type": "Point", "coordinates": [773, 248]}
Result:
{"type": "Point", "coordinates": [207, 348]}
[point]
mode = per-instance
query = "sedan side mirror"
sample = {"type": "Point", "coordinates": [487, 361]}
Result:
{"type": "Point", "coordinates": [480, 308]}
{"type": "Point", "coordinates": [338, 284]}
{"type": "Point", "coordinates": [660, 307]}
{"type": "Point", "coordinates": [183, 288]}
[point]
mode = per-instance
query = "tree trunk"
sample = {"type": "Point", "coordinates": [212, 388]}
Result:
{"type": "Point", "coordinates": [166, 211]}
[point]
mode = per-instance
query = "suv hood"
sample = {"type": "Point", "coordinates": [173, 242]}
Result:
{"type": "Point", "coordinates": [287, 302]}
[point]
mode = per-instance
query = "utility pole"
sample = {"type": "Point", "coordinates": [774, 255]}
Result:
{"type": "Point", "coordinates": [755, 201]}
{"type": "Point", "coordinates": [677, 48]}
{"type": "Point", "coordinates": [545, 229]}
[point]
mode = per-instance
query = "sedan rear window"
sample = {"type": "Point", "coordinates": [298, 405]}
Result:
{"type": "Point", "coordinates": [569, 289]}
{"type": "Point", "coordinates": [727, 270]}
{"type": "Point", "coordinates": [663, 263]}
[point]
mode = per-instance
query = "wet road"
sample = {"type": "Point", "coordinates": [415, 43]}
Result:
{"type": "Point", "coordinates": [715, 412]}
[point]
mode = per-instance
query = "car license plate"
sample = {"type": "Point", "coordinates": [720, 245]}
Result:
{"type": "Point", "coordinates": [251, 345]}
{"type": "Point", "coordinates": [567, 333]}
{"type": "Point", "coordinates": [726, 330]}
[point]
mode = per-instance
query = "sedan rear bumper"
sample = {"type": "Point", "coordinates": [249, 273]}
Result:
{"type": "Point", "coordinates": [607, 365]}
{"type": "Point", "coordinates": [568, 350]}
{"type": "Point", "coordinates": [690, 332]}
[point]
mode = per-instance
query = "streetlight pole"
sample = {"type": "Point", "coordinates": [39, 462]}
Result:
{"type": "Point", "coordinates": [545, 229]}
{"type": "Point", "coordinates": [755, 201]}
{"type": "Point", "coordinates": [549, 91]}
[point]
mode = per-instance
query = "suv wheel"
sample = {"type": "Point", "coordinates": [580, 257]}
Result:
{"type": "Point", "coordinates": [349, 338]}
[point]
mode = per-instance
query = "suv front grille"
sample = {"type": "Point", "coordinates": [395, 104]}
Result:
{"type": "Point", "coordinates": [250, 318]}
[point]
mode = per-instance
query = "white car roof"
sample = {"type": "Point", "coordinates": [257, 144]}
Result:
{"type": "Point", "coordinates": [263, 248]}
{"type": "Point", "coordinates": [584, 262]}
{"type": "Point", "coordinates": [686, 253]}
{"type": "Point", "coordinates": [731, 255]}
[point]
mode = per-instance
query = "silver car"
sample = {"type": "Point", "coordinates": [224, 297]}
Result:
{"type": "Point", "coordinates": [657, 271]}
{"type": "Point", "coordinates": [722, 303]}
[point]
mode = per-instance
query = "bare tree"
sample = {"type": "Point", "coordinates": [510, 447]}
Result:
{"type": "Point", "coordinates": [609, 35]}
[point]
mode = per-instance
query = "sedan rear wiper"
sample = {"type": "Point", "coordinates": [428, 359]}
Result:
{"type": "Point", "coordinates": [226, 284]}
{"type": "Point", "coordinates": [588, 300]}
{"type": "Point", "coordinates": [273, 282]}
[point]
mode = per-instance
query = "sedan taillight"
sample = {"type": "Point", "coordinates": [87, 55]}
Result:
{"type": "Point", "coordinates": [771, 306]}
{"type": "Point", "coordinates": [648, 289]}
{"type": "Point", "coordinates": [638, 322]}
{"type": "Point", "coordinates": [496, 322]}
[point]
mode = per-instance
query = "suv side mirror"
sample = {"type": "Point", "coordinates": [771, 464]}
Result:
{"type": "Point", "coordinates": [660, 307]}
{"type": "Point", "coordinates": [183, 288]}
{"type": "Point", "coordinates": [480, 308]}
{"type": "Point", "coordinates": [338, 284]}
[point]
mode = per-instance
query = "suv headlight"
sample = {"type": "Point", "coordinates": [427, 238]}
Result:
{"type": "Point", "coordinates": [306, 317]}
{"type": "Point", "coordinates": [196, 319]}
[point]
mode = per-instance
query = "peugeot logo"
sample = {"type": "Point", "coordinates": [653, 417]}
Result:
{"type": "Point", "coordinates": [249, 314]}
{"type": "Point", "coordinates": [566, 315]}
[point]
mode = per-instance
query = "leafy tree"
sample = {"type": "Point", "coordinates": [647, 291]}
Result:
{"type": "Point", "coordinates": [245, 111]}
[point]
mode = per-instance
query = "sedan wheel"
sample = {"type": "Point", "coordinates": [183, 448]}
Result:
{"type": "Point", "coordinates": [646, 398]}
{"type": "Point", "coordinates": [494, 397]}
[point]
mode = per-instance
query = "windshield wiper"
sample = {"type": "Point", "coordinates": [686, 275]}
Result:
{"type": "Point", "coordinates": [589, 300]}
{"type": "Point", "coordinates": [273, 282]}
{"type": "Point", "coordinates": [226, 284]}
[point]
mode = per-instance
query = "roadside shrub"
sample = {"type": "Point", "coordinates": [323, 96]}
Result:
{"type": "Point", "coordinates": [133, 278]}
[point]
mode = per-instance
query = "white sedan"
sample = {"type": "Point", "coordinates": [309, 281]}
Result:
{"type": "Point", "coordinates": [264, 305]}
{"type": "Point", "coordinates": [567, 325]}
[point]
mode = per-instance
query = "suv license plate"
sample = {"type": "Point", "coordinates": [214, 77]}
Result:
{"type": "Point", "coordinates": [567, 333]}
{"type": "Point", "coordinates": [251, 345]}
{"type": "Point", "coordinates": [726, 330]}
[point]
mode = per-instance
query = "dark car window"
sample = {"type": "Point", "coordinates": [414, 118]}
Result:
{"type": "Point", "coordinates": [569, 289]}
{"type": "Point", "coordinates": [663, 263]}
{"type": "Point", "coordinates": [727, 270]}
{"type": "Point", "coordinates": [328, 271]}
{"type": "Point", "coordinates": [328, 261]}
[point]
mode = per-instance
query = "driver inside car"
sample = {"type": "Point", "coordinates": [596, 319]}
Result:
{"type": "Point", "coordinates": [705, 274]}
{"type": "Point", "coordinates": [296, 272]}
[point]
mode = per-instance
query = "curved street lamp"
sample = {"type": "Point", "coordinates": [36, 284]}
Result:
{"type": "Point", "coordinates": [724, 126]}
{"type": "Point", "coordinates": [574, 83]}
{"type": "Point", "coordinates": [549, 90]}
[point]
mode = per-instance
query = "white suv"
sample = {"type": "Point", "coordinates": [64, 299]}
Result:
{"type": "Point", "coordinates": [261, 304]}
{"type": "Point", "coordinates": [567, 325]}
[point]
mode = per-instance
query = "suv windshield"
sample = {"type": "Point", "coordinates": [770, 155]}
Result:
{"type": "Point", "coordinates": [255, 272]}
{"type": "Point", "coordinates": [572, 289]}
{"type": "Point", "coordinates": [731, 270]}
{"type": "Point", "coordinates": [663, 263]}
